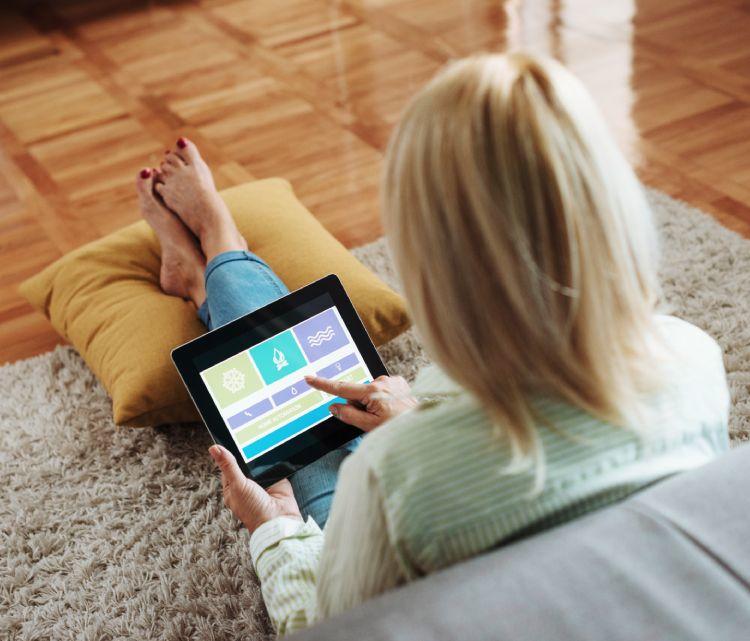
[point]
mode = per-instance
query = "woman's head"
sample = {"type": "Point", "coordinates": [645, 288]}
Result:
{"type": "Point", "coordinates": [523, 240]}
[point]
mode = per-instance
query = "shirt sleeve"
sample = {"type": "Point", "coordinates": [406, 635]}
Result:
{"type": "Point", "coordinates": [305, 576]}
{"type": "Point", "coordinates": [286, 553]}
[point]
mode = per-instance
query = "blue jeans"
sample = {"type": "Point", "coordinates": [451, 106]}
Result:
{"type": "Point", "coordinates": [238, 282]}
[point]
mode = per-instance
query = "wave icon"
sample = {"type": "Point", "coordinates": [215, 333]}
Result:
{"type": "Point", "coordinates": [323, 336]}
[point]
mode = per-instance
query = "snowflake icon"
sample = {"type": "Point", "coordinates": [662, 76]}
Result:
{"type": "Point", "coordinates": [233, 380]}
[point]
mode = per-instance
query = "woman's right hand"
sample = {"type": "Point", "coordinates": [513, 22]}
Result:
{"type": "Point", "coordinates": [368, 404]}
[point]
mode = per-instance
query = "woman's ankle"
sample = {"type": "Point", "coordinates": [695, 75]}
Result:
{"type": "Point", "coordinates": [219, 240]}
{"type": "Point", "coordinates": [219, 233]}
{"type": "Point", "coordinates": [198, 294]}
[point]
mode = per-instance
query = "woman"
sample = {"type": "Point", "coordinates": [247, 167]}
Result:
{"type": "Point", "coordinates": [528, 258]}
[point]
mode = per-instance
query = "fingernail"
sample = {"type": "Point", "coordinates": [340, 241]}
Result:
{"type": "Point", "coordinates": [181, 143]}
{"type": "Point", "coordinates": [145, 173]}
{"type": "Point", "coordinates": [215, 452]}
{"type": "Point", "coordinates": [334, 410]}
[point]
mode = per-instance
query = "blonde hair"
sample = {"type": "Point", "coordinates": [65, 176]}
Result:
{"type": "Point", "coordinates": [524, 243]}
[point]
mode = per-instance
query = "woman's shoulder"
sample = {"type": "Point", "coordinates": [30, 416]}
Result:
{"type": "Point", "coordinates": [695, 381]}
{"type": "Point", "coordinates": [686, 339]}
{"type": "Point", "coordinates": [693, 358]}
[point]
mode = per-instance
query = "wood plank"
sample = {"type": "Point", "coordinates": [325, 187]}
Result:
{"type": "Point", "coordinates": [92, 90]}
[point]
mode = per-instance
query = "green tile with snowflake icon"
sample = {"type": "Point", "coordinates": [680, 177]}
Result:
{"type": "Point", "coordinates": [232, 379]}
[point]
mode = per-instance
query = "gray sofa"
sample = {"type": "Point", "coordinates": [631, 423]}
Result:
{"type": "Point", "coordinates": [670, 563]}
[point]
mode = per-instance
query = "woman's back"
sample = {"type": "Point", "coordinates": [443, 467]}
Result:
{"type": "Point", "coordinates": [441, 470]}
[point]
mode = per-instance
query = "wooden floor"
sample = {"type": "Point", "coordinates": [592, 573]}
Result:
{"type": "Point", "coordinates": [309, 89]}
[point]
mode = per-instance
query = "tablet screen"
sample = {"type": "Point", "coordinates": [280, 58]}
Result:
{"type": "Point", "coordinates": [261, 393]}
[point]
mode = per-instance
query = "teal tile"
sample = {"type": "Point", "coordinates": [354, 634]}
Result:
{"type": "Point", "coordinates": [277, 357]}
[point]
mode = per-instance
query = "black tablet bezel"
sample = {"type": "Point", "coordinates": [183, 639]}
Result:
{"type": "Point", "coordinates": [310, 445]}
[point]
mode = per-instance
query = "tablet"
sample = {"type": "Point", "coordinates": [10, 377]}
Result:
{"type": "Point", "coordinates": [247, 378]}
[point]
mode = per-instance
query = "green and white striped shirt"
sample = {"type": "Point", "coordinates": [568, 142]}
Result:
{"type": "Point", "coordinates": [431, 487]}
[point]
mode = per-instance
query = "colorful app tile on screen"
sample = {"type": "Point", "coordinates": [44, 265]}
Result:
{"type": "Point", "coordinates": [232, 379]}
{"type": "Point", "coordinates": [290, 393]}
{"type": "Point", "coordinates": [277, 357]}
{"type": "Point", "coordinates": [249, 413]}
{"type": "Point", "coordinates": [320, 335]}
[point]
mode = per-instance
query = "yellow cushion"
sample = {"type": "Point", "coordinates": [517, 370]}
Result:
{"type": "Point", "coordinates": [105, 299]}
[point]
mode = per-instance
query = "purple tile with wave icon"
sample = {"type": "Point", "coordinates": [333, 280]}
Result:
{"type": "Point", "coordinates": [249, 414]}
{"type": "Point", "coordinates": [320, 335]}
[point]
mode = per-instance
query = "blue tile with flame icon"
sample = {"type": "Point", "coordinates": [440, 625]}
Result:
{"type": "Point", "coordinates": [278, 357]}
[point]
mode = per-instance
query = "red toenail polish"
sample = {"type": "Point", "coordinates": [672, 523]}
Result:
{"type": "Point", "coordinates": [145, 173]}
{"type": "Point", "coordinates": [181, 143]}
{"type": "Point", "coordinates": [166, 151]}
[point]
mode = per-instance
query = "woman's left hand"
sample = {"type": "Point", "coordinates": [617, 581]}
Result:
{"type": "Point", "coordinates": [249, 502]}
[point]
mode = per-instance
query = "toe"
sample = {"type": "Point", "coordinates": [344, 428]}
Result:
{"type": "Point", "coordinates": [172, 160]}
{"type": "Point", "coordinates": [187, 151]}
{"type": "Point", "coordinates": [144, 182]}
{"type": "Point", "coordinates": [180, 150]}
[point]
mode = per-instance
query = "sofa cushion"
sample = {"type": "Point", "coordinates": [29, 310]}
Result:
{"type": "Point", "coordinates": [671, 562]}
{"type": "Point", "coordinates": [105, 298]}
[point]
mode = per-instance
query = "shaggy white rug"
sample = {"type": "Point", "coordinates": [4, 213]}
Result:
{"type": "Point", "coordinates": [116, 533]}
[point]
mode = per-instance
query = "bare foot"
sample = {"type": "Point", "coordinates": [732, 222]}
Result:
{"type": "Point", "coordinates": [188, 189]}
{"type": "Point", "coordinates": [182, 263]}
